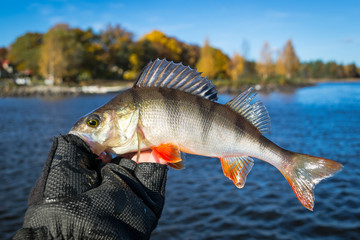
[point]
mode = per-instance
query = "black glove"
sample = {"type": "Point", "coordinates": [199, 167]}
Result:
{"type": "Point", "coordinates": [77, 198]}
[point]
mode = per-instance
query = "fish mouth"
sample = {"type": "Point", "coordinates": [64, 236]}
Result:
{"type": "Point", "coordinates": [105, 156]}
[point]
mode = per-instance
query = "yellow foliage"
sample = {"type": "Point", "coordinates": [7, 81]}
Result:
{"type": "Point", "coordinates": [130, 75]}
{"type": "Point", "coordinates": [134, 61]}
{"type": "Point", "coordinates": [288, 63]}
{"type": "Point", "coordinates": [206, 63]}
{"type": "Point", "coordinates": [265, 66]}
{"type": "Point", "coordinates": [236, 67]}
{"type": "Point", "coordinates": [168, 42]}
{"type": "Point", "coordinates": [221, 63]}
{"type": "Point", "coordinates": [280, 68]}
{"type": "Point", "coordinates": [52, 62]}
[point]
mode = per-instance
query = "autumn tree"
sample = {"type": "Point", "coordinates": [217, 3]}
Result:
{"type": "Point", "coordinates": [351, 71]}
{"type": "Point", "coordinates": [280, 66]}
{"type": "Point", "coordinates": [288, 63]}
{"type": "Point", "coordinates": [3, 54]}
{"type": "Point", "coordinates": [221, 63]}
{"type": "Point", "coordinates": [166, 47]}
{"type": "Point", "coordinates": [236, 67]}
{"type": "Point", "coordinates": [52, 60]}
{"type": "Point", "coordinates": [264, 66]}
{"type": "Point", "coordinates": [61, 54]}
{"type": "Point", "coordinates": [206, 63]}
{"type": "Point", "coordinates": [25, 52]}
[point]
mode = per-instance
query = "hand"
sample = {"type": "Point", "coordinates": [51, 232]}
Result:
{"type": "Point", "coordinates": [148, 156]}
{"type": "Point", "coordinates": [77, 197]}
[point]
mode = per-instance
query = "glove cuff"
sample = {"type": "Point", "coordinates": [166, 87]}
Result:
{"type": "Point", "coordinates": [152, 176]}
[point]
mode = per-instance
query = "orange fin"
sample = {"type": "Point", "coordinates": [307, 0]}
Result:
{"type": "Point", "coordinates": [237, 169]}
{"type": "Point", "coordinates": [169, 152]}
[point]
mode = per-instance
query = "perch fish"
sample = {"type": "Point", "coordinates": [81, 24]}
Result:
{"type": "Point", "coordinates": [172, 109]}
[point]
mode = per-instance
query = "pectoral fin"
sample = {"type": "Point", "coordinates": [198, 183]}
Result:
{"type": "Point", "coordinates": [170, 153]}
{"type": "Point", "coordinates": [237, 168]}
{"type": "Point", "coordinates": [178, 165]}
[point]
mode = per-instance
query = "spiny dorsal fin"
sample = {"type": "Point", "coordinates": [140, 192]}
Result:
{"type": "Point", "coordinates": [162, 73]}
{"type": "Point", "coordinates": [256, 113]}
{"type": "Point", "coordinates": [237, 168]}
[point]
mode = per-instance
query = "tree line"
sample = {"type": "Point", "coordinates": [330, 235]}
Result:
{"type": "Point", "coordinates": [75, 55]}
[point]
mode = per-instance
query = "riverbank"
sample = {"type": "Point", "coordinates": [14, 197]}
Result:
{"type": "Point", "coordinates": [58, 91]}
{"type": "Point", "coordinates": [63, 90]}
{"type": "Point", "coordinates": [265, 89]}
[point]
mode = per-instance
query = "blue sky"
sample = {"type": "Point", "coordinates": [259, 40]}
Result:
{"type": "Point", "coordinates": [326, 30]}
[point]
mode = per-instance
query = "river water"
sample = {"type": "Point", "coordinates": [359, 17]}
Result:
{"type": "Point", "coordinates": [201, 203]}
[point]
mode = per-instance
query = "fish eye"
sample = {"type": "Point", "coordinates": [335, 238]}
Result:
{"type": "Point", "coordinates": [93, 120]}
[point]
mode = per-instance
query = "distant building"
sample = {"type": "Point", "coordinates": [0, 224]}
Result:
{"type": "Point", "coordinates": [7, 70]}
{"type": "Point", "coordinates": [22, 81]}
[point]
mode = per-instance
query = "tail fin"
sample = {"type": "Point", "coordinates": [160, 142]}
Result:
{"type": "Point", "coordinates": [305, 172]}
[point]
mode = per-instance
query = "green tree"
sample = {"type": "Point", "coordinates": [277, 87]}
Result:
{"type": "Point", "coordinates": [116, 43]}
{"type": "Point", "coordinates": [142, 52]}
{"type": "Point", "coordinates": [25, 52]}
{"type": "Point", "coordinates": [92, 53]}
{"type": "Point", "coordinates": [190, 54]}
{"type": "Point", "coordinates": [330, 70]}
{"type": "Point", "coordinates": [340, 73]}
{"type": "Point", "coordinates": [317, 69]}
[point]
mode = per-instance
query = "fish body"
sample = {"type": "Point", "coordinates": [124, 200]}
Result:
{"type": "Point", "coordinates": [172, 109]}
{"type": "Point", "coordinates": [194, 124]}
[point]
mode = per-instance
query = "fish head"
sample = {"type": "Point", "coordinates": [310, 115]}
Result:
{"type": "Point", "coordinates": [106, 130]}
{"type": "Point", "coordinates": [96, 129]}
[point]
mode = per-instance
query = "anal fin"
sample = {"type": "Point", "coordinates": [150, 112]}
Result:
{"type": "Point", "coordinates": [237, 168]}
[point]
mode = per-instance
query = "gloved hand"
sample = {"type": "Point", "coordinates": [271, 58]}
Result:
{"type": "Point", "coordinates": [77, 198]}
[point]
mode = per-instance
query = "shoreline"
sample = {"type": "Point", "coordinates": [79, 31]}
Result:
{"type": "Point", "coordinates": [264, 89]}
{"type": "Point", "coordinates": [65, 91]}
{"type": "Point", "coordinates": [58, 91]}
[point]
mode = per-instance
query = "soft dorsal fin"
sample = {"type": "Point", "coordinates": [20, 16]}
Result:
{"type": "Point", "coordinates": [162, 73]}
{"type": "Point", "coordinates": [256, 113]}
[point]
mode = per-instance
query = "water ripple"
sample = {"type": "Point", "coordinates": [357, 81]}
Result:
{"type": "Point", "coordinates": [200, 202]}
